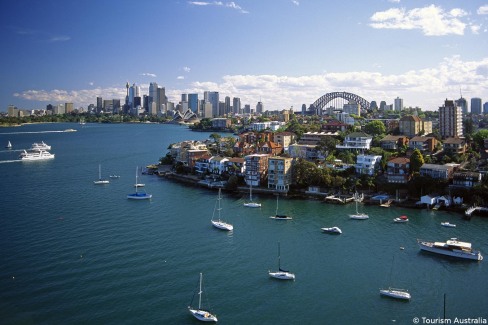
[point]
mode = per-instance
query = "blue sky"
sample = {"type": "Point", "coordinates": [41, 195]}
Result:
{"type": "Point", "coordinates": [282, 52]}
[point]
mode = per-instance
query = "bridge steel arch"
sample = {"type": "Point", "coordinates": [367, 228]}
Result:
{"type": "Point", "coordinates": [325, 99]}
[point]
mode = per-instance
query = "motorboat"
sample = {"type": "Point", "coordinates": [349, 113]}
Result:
{"type": "Point", "coordinates": [451, 247]}
{"type": "Point", "coordinates": [114, 176]}
{"type": "Point", "coordinates": [281, 274]}
{"type": "Point", "coordinates": [219, 223]}
{"type": "Point", "coordinates": [199, 313]}
{"type": "Point", "coordinates": [401, 219]}
{"type": "Point", "coordinates": [333, 230]}
{"type": "Point", "coordinates": [396, 293]}
{"type": "Point", "coordinates": [40, 146]}
{"type": "Point", "coordinates": [36, 155]}
{"type": "Point", "coordinates": [447, 224]}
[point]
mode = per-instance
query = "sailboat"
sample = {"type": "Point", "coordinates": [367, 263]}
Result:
{"type": "Point", "coordinates": [251, 204]}
{"type": "Point", "coordinates": [139, 195]}
{"type": "Point", "coordinates": [279, 216]}
{"type": "Point", "coordinates": [100, 180]}
{"type": "Point", "coordinates": [393, 292]}
{"type": "Point", "coordinates": [9, 145]}
{"type": "Point", "coordinates": [281, 274]}
{"type": "Point", "coordinates": [219, 223]}
{"type": "Point", "coordinates": [358, 215]}
{"type": "Point", "coordinates": [201, 314]}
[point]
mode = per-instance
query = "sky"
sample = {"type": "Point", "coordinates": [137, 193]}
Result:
{"type": "Point", "coordinates": [284, 53]}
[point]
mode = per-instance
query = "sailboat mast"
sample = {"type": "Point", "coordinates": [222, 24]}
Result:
{"type": "Point", "coordinates": [277, 205]}
{"type": "Point", "coordinates": [200, 293]}
{"type": "Point", "coordinates": [219, 208]}
{"type": "Point", "coordinates": [279, 257]}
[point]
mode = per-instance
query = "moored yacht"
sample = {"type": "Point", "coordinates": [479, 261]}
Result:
{"type": "Point", "coordinates": [452, 247]}
{"type": "Point", "coordinates": [333, 230]}
{"type": "Point", "coordinates": [401, 219]}
{"type": "Point", "coordinates": [396, 293]}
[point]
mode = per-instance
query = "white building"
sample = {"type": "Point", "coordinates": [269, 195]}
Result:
{"type": "Point", "coordinates": [367, 164]}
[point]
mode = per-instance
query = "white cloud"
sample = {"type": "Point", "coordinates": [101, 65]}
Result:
{"type": "Point", "coordinates": [426, 88]}
{"type": "Point", "coordinates": [483, 10]}
{"type": "Point", "coordinates": [432, 20]}
{"type": "Point", "coordinates": [295, 2]}
{"type": "Point", "coordinates": [231, 5]}
{"type": "Point", "coordinates": [186, 69]}
{"type": "Point", "coordinates": [91, 83]}
{"type": "Point", "coordinates": [59, 38]}
{"type": "Point", "coordinates": [394, 1]}
{"type": "Point", "coordinates": [475, 29]}
{"type": "Point", "coordinates": [146, 74]}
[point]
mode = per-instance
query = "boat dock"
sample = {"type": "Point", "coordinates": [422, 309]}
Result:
{"type": "Point", "coordinates": [474, 208]}
{"type": "Point", "coordinates": [386, 204]}
{"type": "Point", "coordinates": [341, 199]}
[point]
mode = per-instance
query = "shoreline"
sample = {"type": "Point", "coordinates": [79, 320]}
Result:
{"type": "Point", "coordinates": [304, 195]}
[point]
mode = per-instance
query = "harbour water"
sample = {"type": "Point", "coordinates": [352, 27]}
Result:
{"type": "Point", "coordinates": [77, 253]}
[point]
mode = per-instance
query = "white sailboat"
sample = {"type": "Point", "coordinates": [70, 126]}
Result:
{"type": "Point", "coordinates": [394, 292]}
{"type": "Point", "coordinates": [139, 195]}
{"type": "Point", "coordinates": [199, 313]}
{"type": "Point", "coordinates": [281, 274]}
{"type": "Point", "coordinates": [219, 223]}
{"type": "Point", "coordinates": [100, 180]}
{"type": "Point", "coordinates": [251, 204]}
{"type": "Point", "coordinates": [279, 216]}
{"type": "Point", "coordinates": [9, 145]}
{"type": "Point", "coordinates": [358, 215]}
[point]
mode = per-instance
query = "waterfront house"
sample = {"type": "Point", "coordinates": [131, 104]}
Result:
{"type": "Point", "coordinates": [367, 164]}
{"type": "Point", "coordinates": [235, 166]}
{"type": "Point", "coordinates": [358, 141]}
{"type": "Point", "coordinates": [398, 170]}
{"type": "Point", "coordinates": [466, 179]}
{"type": "Point", "coordinates": [394, 142]}
{"type": "Point", "coordinates": [193, 155]}
{"type": "Point", "coordinates": [217, 164]}
{"type": "Point", "coordinates": [443, 172]}
{"type": "Point", "coordinates": [202, 164]}
{"type": "Point", "coordinates": [280, 173]}
{"type": "Point", "coordinates": [454, 146]}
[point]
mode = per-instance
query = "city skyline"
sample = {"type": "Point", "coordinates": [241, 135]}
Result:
{"type": "Point", "coordinates": [281, 53]}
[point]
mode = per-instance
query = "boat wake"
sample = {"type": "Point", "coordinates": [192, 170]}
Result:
{"type": "Point", "coordinates": [36, 132]}
{"type": "Point", "coordinates": [9, 161]}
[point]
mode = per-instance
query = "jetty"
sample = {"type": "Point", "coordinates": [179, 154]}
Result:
{"type": "Point", "coordinates": [474, 208]}
{"type": "Point", "coordinates": [341, 199]}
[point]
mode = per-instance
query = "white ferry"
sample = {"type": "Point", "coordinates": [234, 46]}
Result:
{"type": "Point", "coordinates": [40, 146]}
{"type": "Point", "coordinates": [452, 247]}
{"type": "Point", "coordinates": [36, 155]}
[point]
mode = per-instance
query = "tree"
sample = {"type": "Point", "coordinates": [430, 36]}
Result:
{"type": "Point", "coordinates": [375, 128]}
{"type": "Point", "coordinates": [416, 161]}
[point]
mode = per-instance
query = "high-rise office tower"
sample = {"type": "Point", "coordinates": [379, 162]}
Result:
{"type": "Point", "coordinates": [134, 91]}
{"type": "Point", "coordinates": [162, 101]}
{"type": "Point", "coordinates": [463, 103]}
{"type": "Point", "coordinates": [153, 95]}
{"type": "Point", "coordinates": [373, 105]}
{"type": "Point", "coordinates": [485, 108]}
{"type": "Point", "coordinates": [476, 105]}
{"type": "Point", "coordinates": [227, 105]}
{"type": "Point", "coordinates": [193, 103]}
{"type": "Point", "coordinates": [99, 104]}
{"type": "Point", "coordinates": [236, 105]}
{"type": "Point", "coordinates": [398, 104]}
{"type": "Point", "coordinates": [304, 109]}
{"type": "Point", "coordinates": [259, 108]}
{"type": "Point", "coordinates": [450, 120]}
{"type": "Point", "coordinates": [213, 98]}
{"type": "Point", "coordinates": [383, 105]}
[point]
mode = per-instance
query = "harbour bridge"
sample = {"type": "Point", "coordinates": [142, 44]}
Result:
{"type": "Point", "coordinates": [338, 99]}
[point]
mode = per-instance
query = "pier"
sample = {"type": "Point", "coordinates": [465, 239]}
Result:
{"type": "Point", "coordinates": [474, 208]}
{"type": "Point", "coordinates": [341, 199]}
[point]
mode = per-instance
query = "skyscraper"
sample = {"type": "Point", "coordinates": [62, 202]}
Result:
{"type": "Point", "coordinates": [236, 105]}
{"type": "Point", "coordinates": [476, 105]}
{"type": "Point", "coordinates": [259, 108]}
{"type": "Point", "coordinates": [213, 98]}
{"type": "Point", "coordinates": [227, 105]}
{"type": "Point", "coordinates": [450, 120]}
{"type": "Point", "coordinates": [398, 104]}
{"type": "Point", "coordinates": [193, 103]}
{"type": "Point", "coordinates": [463, 103]}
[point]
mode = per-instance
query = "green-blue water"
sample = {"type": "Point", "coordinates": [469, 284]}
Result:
{"type": "Point", "coordinates": [77, 253]}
